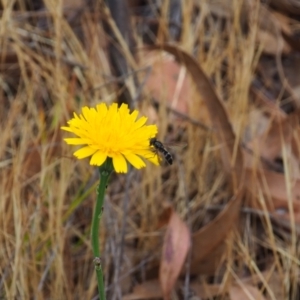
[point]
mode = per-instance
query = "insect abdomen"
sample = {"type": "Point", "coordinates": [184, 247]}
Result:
{"type": "Point", "coordinates": [160, 147]}
{"type": "Point", "coordinates": [167, 155]}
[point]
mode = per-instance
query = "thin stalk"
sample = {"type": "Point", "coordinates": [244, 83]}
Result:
{"type": "Point", "coordinates": [105, 171]}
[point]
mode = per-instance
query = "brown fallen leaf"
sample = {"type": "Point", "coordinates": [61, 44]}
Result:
{"type": "Point", "coordinates": [212, 261]}
{"type": "Point", "coordinates": [273, 186]}
{"type": "Point", "coordinates": [177, 242]}
{"type": "Point", "coordinates": [232, 156]}
{"type": "Point", "coordinates": [213, 235]}
{"type": "Point", "coordinates": [264, 100]}
{"type": "Point", "coordinates": [221, 8]}
{"type": "Point", "coordinates": [283, 130]}
{"type": "Point", "coordinates": [271, 43]}
{"type": "Point", "coordinates": [209, 237]}
{"type": "Point", "coordinates": [284, 22]}
{"type": "Point", "coordinates": [269, 28]}
{"type": "Point", "coordinates": [271, 280]}
{"type": "Point", "coordinates": [269, 33]}
{"type": "Point", "coordinates": [295, 144]}
{"type": "Point", "coordinates": [33, 158]}
{"type": "Point", "coordinates": [245, 292]}
{"type": "Point", "coordinates": [289, 28]}
{"type": "Point", "coordinates": [269, 143]}
{"type": "Point", "coordinates": [147, 290]}
{"type": "Point", "coordinates": [164, 217]}
{"type": "Point", "coordinates": [276, 283]}
{"type": "Point", "coordinates": [209, 291]}
{"type": "Point", "coordinates": [168, 81]}
{"type": "Point", "coordinates": [277, 186]}
{"type": "Point", "coordinates": [288, 6]}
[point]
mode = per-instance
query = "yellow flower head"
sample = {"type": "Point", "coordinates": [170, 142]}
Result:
{"type": "Point", "coordinates": [112, 132]}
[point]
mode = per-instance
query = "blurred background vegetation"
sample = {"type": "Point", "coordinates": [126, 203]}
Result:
{"type": "Point", "coordinates": [221, 81]}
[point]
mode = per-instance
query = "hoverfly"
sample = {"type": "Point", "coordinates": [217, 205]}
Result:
{"type": "Point", "coordinates": [159, 147]}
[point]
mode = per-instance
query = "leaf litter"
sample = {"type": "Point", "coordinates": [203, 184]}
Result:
{"type": "Point", "coordinates": [228, 88]}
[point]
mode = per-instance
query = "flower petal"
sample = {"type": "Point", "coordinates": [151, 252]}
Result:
{"type": "Point", "coordinates": [66, 128]}
{"type": "Point", "coordinates": [98, 158]}
{"type": "Point", "coordinates": [84, 152]}
{"type": "Point", "coordinates": [76, 141]}
{"type": "Point", "coordinates": [119, 163]}
{"type": "Point", "coordinates": [140, 122]}
{"type": "Point", "coordinates": [86, 112]}
{"type": "Point", "coordinates": [133, 116]}
{"type": "Point", "coordinates": [135, 160]}
{"type": "Point", "coordinates": [124, 110]}
{"type": "Point", "coordinates": [102, 110]}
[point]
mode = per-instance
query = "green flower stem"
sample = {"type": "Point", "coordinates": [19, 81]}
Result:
{"type": "Point", "coordinates": [105, 170]}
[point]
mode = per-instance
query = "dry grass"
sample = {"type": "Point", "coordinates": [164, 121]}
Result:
{"type": "Point", "coordinates": [47, 199]}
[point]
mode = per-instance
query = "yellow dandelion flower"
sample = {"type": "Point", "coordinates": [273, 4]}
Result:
{"type": "Point", "coordinates": [112, 132]}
